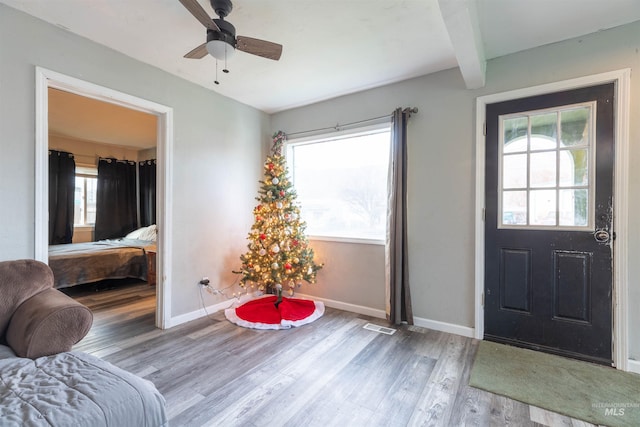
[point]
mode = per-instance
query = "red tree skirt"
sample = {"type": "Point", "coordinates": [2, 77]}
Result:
{"type": "Point", "coordinates": [262, 313]}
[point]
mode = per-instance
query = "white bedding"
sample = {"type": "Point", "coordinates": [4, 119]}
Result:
{"type": "Point", "coordinates": [75, 389]}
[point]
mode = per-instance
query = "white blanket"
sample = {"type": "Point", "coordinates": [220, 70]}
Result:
{"type": "Point", "coordinates": [75, 389]}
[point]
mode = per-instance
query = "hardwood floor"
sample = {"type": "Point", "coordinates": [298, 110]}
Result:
{"type": "Point", "coordinates": [329, 373]}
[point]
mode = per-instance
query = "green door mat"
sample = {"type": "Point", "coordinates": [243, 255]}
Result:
{"type": "Point", "coordinates": [581, 390]}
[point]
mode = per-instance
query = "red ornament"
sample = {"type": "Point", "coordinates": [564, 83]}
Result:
{"type": "Point", "coordinates": [294, 242]}
{"type": "Point", "coordinates": [287, 266]}
{"type": "Point", "coordinates": [282, 193]}
{"type": "Point", "coordinates": [258, 207]}
{"type": "Point", "coordinates": [258, 218]}
{"type": "Point", "coordinates": [270, 166]}
{"type": "Point", "coordinates": [263, 236]}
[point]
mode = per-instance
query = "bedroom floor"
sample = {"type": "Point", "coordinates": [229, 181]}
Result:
{"type": "Point", "coordinates": [330, 372]}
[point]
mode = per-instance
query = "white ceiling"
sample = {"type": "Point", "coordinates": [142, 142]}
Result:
{"type": "Point", "coordinates": [332, 47]}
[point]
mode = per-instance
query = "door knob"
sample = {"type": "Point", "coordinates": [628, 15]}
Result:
{"type": "Point", "coordinates": [601, 236]}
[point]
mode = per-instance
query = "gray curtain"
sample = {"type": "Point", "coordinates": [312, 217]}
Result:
{"type": "Point", "coordinates": [398, 294]}
{"type": "Point", "coordinates": [62, 185]}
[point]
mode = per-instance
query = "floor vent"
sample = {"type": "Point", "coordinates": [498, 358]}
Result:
{"type": "Point", "coordinates": [381, 329]}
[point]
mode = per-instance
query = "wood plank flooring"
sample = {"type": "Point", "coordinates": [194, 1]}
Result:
{"type": "Point", "coordinates": [328, 373]}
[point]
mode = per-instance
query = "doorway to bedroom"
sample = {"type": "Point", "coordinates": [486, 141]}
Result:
{"type": "Point", "coordinates": [107, 131]}
{"type": "Point", "coordinates": [102, 198]}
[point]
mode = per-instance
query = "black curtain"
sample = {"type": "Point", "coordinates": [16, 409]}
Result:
{"type": "Point", "coordinates": [62, 184]}
{"type": "Point", "coordinates": [116, 212]}
{"type": "Point", "coordinates": [147, 179]}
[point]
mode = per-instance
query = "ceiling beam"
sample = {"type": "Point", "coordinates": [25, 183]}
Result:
{"type": "Point", "coordinates": [461, 19]}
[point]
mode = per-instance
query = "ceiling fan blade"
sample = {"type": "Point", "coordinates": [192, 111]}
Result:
{"type": "Point", "coordinates": [198, 53]}
{"type": "Point", "coordinates": [196, 10]}
{"type": "Point", "coordinates": [259, 47]}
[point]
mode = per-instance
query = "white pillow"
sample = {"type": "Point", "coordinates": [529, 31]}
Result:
{"type": "Point", "coordinates": [149, 233]}
{"type": "Point", "coordinates": [135, 234]}
{"type": "Point", "coordinates": [144, 233]}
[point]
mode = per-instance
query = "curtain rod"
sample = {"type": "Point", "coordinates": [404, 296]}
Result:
{"type": "Point", "coordinates": [338, 127]}
{"type": "Point", "coordinates": [113, 159]}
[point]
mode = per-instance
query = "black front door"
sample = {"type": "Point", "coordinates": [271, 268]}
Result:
{"type": "Point", "coordinates": [548, 222]}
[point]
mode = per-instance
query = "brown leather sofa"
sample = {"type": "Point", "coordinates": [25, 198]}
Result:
{"type": "Point", "coordinates": [36, 319]}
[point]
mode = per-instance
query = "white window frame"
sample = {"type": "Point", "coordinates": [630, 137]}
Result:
{"type": "Point", "coordinates": [85, 172]}
{"type": "Point", "coordinates": [326, 137]}
{"type": "Point", "coordinates": [590, 226]}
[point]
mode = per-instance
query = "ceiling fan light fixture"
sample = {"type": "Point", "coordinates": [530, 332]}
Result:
{"type": "Point", "coordinates": [220, 50]}
{"type": "Point", "coordinates": [221, 35]}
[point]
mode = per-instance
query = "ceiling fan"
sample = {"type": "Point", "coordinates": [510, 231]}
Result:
{"type": "Point", "coordinates": [221, 35]}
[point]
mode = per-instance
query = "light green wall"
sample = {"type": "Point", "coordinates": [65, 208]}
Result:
{"type": "Point", "coordinates": [442, 168]}
{"type": "Point", "coordinates": [217, 154]}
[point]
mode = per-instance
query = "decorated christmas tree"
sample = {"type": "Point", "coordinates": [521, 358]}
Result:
{"type": "Point", "coordinates": [279, 256]}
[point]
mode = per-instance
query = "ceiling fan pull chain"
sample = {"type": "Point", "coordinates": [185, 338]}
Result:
{"type": "Point", "coordinates": [225, 70]}
{"type": "Point", "coordinates": [216, 80]}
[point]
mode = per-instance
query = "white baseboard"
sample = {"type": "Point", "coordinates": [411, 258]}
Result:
{"type": "Point", "coordinates": [354, 308]}
{"type": "Point", "coordinates": [360, 309]}
{"type": "Point", "coordinates": [187, 317]}
{"type": "Point", "coordinates": [418, 321]}
{"type": "Point", "coordinates": [450, 328]}
{"type": "Point", "coordinates": [633, 366]}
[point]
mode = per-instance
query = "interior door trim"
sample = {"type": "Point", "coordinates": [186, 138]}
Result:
{"type": "Point", "coordinates": [622, 80]}
{"type": "Point", "coordinates": [45, 79]}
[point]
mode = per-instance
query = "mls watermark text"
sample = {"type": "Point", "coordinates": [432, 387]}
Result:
{"type": "Point", "coordinates": [615, 409]}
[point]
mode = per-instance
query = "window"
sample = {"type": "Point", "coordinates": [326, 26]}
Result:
{"type": "Point", "coordinates": [341, 182]}
{"type": "Point", "coordinates": [546, 168]}
{"type": "Point", "coordinates": [84, 213]}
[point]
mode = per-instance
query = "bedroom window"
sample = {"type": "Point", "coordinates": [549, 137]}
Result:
{"type": "Point", "coordinates": [341, 182]}
{"type": "Point", "coordinates": [84, 213]}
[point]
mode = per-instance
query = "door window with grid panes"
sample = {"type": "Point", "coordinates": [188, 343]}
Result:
{"type": "Point", "coordinates": [546, 168]}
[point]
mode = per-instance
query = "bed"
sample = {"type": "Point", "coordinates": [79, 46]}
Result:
{"type": "Point", "coordinates": [78, 263]}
